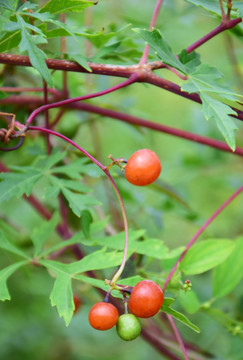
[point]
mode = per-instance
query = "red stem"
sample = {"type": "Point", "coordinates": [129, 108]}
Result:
{"type": "Point", "coordinates": [125, 83]}
{"type": "Point", "coordinates": [200, 231]}
{"type": "Point", "coordinates": [144, 57]}
{"type": "Point", "coordinates": [48, 144]}
{"type": "Point", "coordinates": [222, 27]}
{"type": "Point", "coordinates": [178, 336]}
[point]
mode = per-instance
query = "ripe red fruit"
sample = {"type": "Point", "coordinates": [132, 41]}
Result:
{"type": "Point", "coordinates": [77, 303]}
{"type": "Point", "coordinates": [143, 167]}
{"type": "Point", "coordinates": [103, 316]}
{"type": "Point", "coordinates": [146, 299]}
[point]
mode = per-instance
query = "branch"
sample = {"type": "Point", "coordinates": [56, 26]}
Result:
{"type": "Point", "coordinates": [220, 145]}
{"type": "Point", "coordinates": [200, 231]}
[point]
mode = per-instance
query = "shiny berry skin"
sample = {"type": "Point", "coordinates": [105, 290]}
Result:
{"type": "Point", "coordinates": [77, 303]}
{"type": "Point", "coordinates": [103, 316]}
{"type": "Point", "coordinates": [128, 327]}
{"type": "Point", "coordinates": [146, 299]}
{"type": "Point", "coordinates": [143, 167]}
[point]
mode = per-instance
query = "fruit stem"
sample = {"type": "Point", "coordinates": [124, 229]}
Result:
{"type": "Point", "coordinates": [106, 171]}
{"type": "Point", "coordinates": [178, 336]}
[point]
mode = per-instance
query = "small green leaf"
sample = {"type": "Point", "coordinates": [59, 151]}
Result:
{"type": "Point", "coordinates": [160, 46]}
{"type": "Point", "coordinates": [228, 274]}
{"type": "Point", "coordinates": [63, 6]}
{"type": "Point", "coordinates": [36, 55]}
{"type": "Point", "coordinates": [42, 233]}
{"type": "Point", "coordinates": [10, 40]}
{"type": "Point", "coordinates": [6, 245]}
{"type": "Point", "coordinates": [17, 184]}
{"type": "Point", "coordinates": [6, 5]}
{"type": "Point", "coordinates": [81, 60]}
{"type": "Point", "coordinates": [62, 296]}
{"type": "Point", "coordinates": [206, 255]}
{"type": "Point", "coordinates": [189, 301]}
{"type": "Point", "coordinates": [78, 202]}
{"type": "Point", "coordinates": [177, 315]}
{"type": "Point", "coordinates": [191, 61]}
{"type": "Point", "coordinates": [95, 261]}
{"type": "Point", "coordinates": [4, 275]}
{"type": "Point", "coordinates": [86, 221]}
{"type": "Point", "coordinates": [100, 284]}
{"type": "Point", "coordinates": [216, 110]}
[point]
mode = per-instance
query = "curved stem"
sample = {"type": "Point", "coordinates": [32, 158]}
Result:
{"type": "Point", "coordinates": [125, 83]}
{"type": "Point", "coordinates": [106, 171]}
{"type": "Point", "coordinates": [200, 231]}
{"type": "Point", "coordinates": [178, 336]}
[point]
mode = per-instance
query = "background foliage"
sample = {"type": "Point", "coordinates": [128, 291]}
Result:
{"type": "Point", "coordinates": [163, 217]}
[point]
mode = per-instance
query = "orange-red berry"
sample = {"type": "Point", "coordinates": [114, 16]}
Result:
{"type": "Point", "coordinates": [103, 316]}
{"type": "Point", "coordinates": [146, 299]}
{"type": "Point", "coordinates": [143, 167]}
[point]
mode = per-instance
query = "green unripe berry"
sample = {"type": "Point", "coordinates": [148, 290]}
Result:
{"type": "Point", "coordinates": [128, 327]}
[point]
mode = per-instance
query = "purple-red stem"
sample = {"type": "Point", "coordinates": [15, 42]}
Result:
{"type": "Point", "coordinates": [178, 336]}
{"type": "Point", "coordinates": [200, 231]}
{"type": "Point", "coordinates": [222, 27]}
{"type": "Point", "coordinates": [125, 83]}
{"type": "Point", "coordinates": [48, 144]}
{"type": "Point", "coordinates": [144, 57]}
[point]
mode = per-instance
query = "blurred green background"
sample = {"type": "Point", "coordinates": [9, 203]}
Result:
{"type": "Point", "coordinates": [199, 180]}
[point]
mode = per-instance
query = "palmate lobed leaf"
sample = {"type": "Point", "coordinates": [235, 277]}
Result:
{"type": "Point", "coordinates": [4, 275]}
{"type": "Point", "coordinates": [62, 296]}
{"type": "Point", "coordinates": [218, 111]}
{"type": "Point", "coordinates": [6, 245]}
{"type": "Point", "coordinates": [42, 233]}
{"type": "Point", "coordinates": [161, 47]}
{"type": "Point", "coordinates": [18, 184]}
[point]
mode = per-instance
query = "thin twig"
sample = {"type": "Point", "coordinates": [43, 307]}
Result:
{"type": "Point", "coordinates": [200, 231]}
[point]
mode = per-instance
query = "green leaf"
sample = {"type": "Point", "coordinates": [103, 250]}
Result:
{"type": "Point", "coordinates": [74, 169]}
{"type": "Point", "coordinates": [154, 248]}
{"type": "Point", "coordinates": [211, 6]}
{"type": "Point", "coordinates": [189, 301]}
{"type": "Point", "coordinates": [95, 261]}
{"type": "Point", "coordinates": [81, 60]}
{"type": "Point", "coordinates": [177, 315]}
{"type": "Point", "coordinates": [206, 255]}
{"type": "Point", "coordinates": [4, 275]}
{"type": "Point", "coordinates": [100, 284]}
{"type": "Point", "coordinates": [16, 184]}
{"type": "Point", "coordinates": [86, 221]}
{"type": "Point", "coordinates": [63, 6]}
{"type": "Point", "coordinates": [42, 233]}
{"type": "Point", "coordinates": [36, 55]}
{"type": "Point", "coordinates": [160, 46]}
{"type": "Point", "coordinates": [206, 79]}
{"type": "Point", "coordinates": [191, 61]}
{"type": "Point", "coordinates": [10, 40]}
{"type": "Point", "coordinates": [216, 110]}
{"type": "Point", "coordinates": [228, 274]}
{"type": "Point", "coordinates": [78, 202]}
{"type": "Point", "coordinates": [47, 162]}
{"type": "Point", "coordinates": [117, 241]}
{"type": "Point", "coordinates": [6, 5]}
{"type": "Point", "coordinates": [62, 296]}
{"type": "Point", "coordinates": [6, 245]}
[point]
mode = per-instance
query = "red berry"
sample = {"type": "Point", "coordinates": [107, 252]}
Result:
{"type": "Point", "coordinates": [143, 167]}
{"type": "Point", "coordinates": [77, 303]}
{"type": "Point", "coordinates": [103, 316]}
{"type": "Point", "coordinates": [146, 299]}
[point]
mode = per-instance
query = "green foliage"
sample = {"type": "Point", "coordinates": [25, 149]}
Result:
{"type": "Point", "coordinates": [206, 255]}
{"type": "Point", "coordinates": [177, 315]}
{"type": "Point", "coordinates": [228, 274]}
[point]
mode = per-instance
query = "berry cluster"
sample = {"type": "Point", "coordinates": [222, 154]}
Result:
{"type": "Point", "coordinates": [145, 301]}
